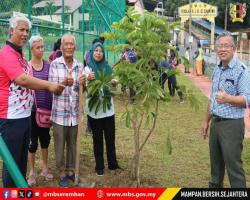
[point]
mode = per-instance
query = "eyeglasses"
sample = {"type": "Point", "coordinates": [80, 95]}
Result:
{"type": "Point", "coordinates": [224, 46]}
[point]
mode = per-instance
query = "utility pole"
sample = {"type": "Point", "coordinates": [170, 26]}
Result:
{"type": "Point", "coordinates": [190, 39]}
{"type": "Point", "coordinates": [29, 16]}
{"type": "Point", "coordinates": [190, 16]}
{"type": "Point", "coordinates": [83, 23]}
{"type": "Point", "coordinates": [63, 16]}
{"type": "Point", "coordinates": [225, 25]}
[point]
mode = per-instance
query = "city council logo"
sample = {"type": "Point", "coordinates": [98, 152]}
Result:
{"type": "Point", "coordinates": [238, 12]}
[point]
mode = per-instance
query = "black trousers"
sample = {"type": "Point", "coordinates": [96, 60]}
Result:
{"type": "Point", "coordinates": [38, 133]}
{"type": "Point", "coordinates": [163, 79]}
{"type": "Point", "coordinates": [104, 126]}
{"type": "Point", "coordinates": [16, 135]}
{"type": "Point", "coordinates": [172, 86]}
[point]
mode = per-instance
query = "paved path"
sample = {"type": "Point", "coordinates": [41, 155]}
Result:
{"type": "Point", "coordinates": [204, 84]}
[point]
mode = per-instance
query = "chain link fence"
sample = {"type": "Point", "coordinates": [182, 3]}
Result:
{"type": "Point", "coordinates": [52, 18]}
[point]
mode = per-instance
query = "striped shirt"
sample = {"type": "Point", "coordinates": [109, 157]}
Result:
{"type": "Point", "coordinates": [65, 106]}
{"type": "Point", "coordinates": [235, 80]}
{"type": "Point", "coordinates": [43, 98]}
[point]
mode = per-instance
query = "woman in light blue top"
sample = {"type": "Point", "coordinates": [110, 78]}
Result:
{"type": "Point", "coordinates": [102, 120]}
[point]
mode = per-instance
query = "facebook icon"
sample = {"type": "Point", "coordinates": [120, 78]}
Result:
{"type": "Point", "coordinates": [6, 194]}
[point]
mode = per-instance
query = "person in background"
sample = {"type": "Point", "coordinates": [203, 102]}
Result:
{"type": "Point", "coordinates": [56, 51]}
{"type": "Point", "coordinates": [199, 58]}
{"type": "Point", "coordinates": [203, 66]}
{"type": "Point", "coordinates": [128, 55]}
{"type": "Point", "coordinates": [172, 81]}
{"type": "Point", "coordinates": [164, 65]}
{"type": "Point", "coordinates": [16, 85]}
{"type": "Point", "coordinates": [102, 123]}
{"type": "Point", "coordinates": [229, 98]}
{"type": "Point", "coordinates": [43, 99]}
{"type": "Point", "coordinates": [65, 108]}
{"type": "Point", "coordinates": [187, 57]}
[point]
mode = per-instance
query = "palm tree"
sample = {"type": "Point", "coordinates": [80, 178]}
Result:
{"type": "Point", "coordinates": [50, 8]}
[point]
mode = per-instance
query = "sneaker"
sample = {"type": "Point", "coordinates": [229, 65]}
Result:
{"type": "Point", "coordinates": [32, 180]}
{"type": "Point", "coordinates": [181, 101]}
{"type": "Point", "coordinates": [64, 182]}
{"type": "Point", "coordinates": [71, 177]}
{"type": "Point", "coordinates": [99, 172]}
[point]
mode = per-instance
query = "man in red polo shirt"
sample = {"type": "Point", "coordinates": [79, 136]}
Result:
{"type": "Point", "coordinates": [16, 84]}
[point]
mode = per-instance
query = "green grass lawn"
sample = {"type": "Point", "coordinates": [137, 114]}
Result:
{"type": "Point", "coordinates": [187, 166]}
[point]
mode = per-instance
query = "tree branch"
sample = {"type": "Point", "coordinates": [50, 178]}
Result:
{"type": "Point", "coordinates": [153, 127]}
{"type": "Point", "coordinates": [140, 123]}
{"type": "Point", "coordinates": [127, 109]}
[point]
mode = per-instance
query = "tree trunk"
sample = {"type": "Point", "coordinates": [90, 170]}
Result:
{"type": "Point", "coordinates": [136, 156]}
{"type": "Point", "coordinates": [137, 159]}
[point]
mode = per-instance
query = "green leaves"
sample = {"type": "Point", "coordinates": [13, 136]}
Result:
{"type": "Point", "coordinates": [148, 35]}
{"type": "Point", "coordinates": [99, 93]}
{"type": "Point", "coordinates": [190, 96]}
{"type": "Point", "coordinates": [128, 119]}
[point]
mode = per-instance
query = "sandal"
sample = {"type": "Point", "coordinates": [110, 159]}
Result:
{"type": "Point", "coordinates": [32, 180]}
{"type": "Point", "coordinates": [48, 176]}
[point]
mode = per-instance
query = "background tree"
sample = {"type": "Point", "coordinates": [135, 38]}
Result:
{"type": "Point", "coordinates": [13, 5]}
{"type": "Point", "coordinates": [171, 6]}
{"type": "Point", "coordinates": [50, 8]}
